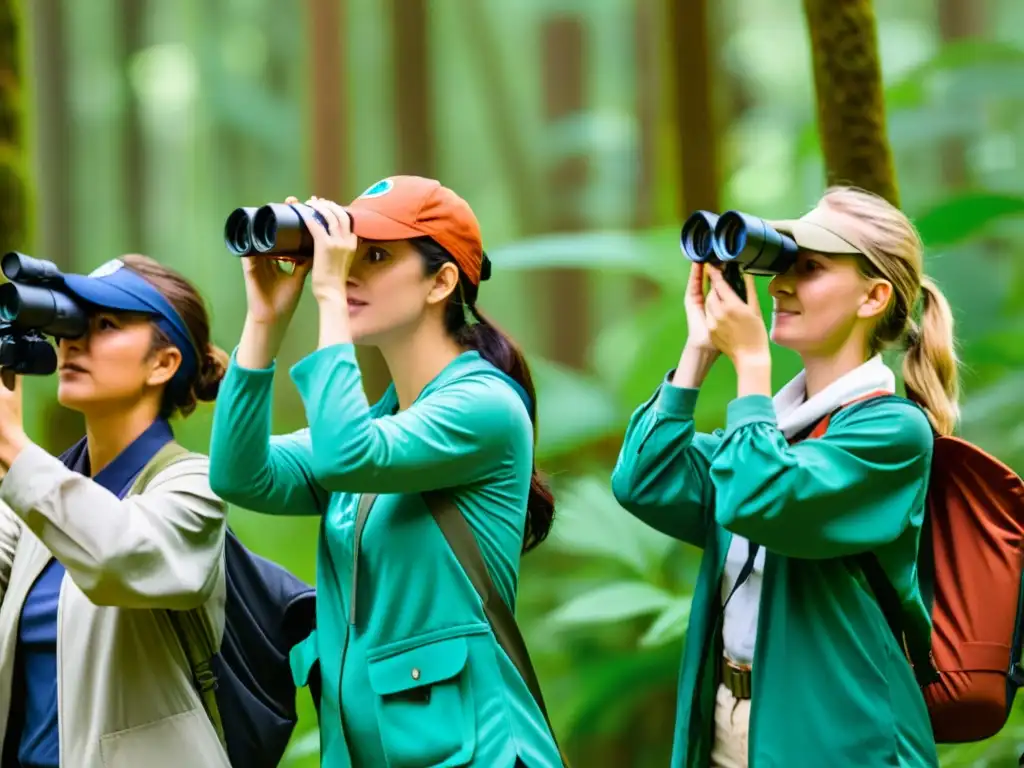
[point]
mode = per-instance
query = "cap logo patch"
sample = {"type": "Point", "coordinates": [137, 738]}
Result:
{"type": "Point", "coordinates": [106, 269]}
{"type": "Point", "coordinates": [382, 187]}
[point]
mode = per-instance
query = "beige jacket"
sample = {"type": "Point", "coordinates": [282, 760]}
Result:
{"type": "Point", "coordinates": [124, 687]}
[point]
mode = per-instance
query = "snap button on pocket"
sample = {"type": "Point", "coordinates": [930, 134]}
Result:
{"type": "Point", "coordinates": [415, 674]}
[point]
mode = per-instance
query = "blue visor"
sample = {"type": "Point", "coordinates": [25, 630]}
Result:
{"type": "Point", "coordinates": [118, 289]}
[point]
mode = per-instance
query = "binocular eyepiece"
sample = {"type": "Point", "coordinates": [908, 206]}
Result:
{"type": "Point", "coordinates": [32, 304]}
{"type": "Point", "coordinates": [275, 229]}
{"type": "Point", "coordinates": [750, 243]}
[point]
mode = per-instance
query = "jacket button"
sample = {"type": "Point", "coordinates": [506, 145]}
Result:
{"type": "Point", "coordinates": [415, 674]}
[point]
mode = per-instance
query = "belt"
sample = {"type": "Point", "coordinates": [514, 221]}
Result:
{"type": "Point", "coordinates": [736, 678]}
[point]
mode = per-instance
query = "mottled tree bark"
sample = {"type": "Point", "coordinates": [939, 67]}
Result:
{"type": "Point", "coordinates": [14, 206]}
{"type": "Point", "coordinates": [848, 87]}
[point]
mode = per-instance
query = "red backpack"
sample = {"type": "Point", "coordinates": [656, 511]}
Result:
{"type": "Point", "coordinates": [971, 571]}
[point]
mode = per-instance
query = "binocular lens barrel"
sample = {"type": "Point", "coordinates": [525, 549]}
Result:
{"type": "Point", "coordinates": [238, 231]}
{"type": "Point", "coordinates": [753, 243]}
{"type": "Point", "coordinates": [31, 356]}
{"type": "Point", "coordinates": [18, 266]}
{"type": "Point", "coordinates": [697, 235]}
{"type": "Point", "coordinates": [36, 307]}
{"type": "Point", "coordinates": [275, 229]}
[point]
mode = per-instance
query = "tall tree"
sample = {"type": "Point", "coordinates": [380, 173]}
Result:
{"type": "Point", "coordinates": [849, 94]}
{"type": "Point", "coordinates": [696, 123]}
{"type": "Point", "coordinates": [565, 52]}
{"type": "Point", "coordinates": [14, 190]}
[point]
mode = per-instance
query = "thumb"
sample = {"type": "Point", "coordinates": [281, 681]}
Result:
{"type": "Point", "coordinates": [752, 299]}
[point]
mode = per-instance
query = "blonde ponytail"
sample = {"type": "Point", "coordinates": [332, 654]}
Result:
{"type": "Point", "coordinates": [930, 368]}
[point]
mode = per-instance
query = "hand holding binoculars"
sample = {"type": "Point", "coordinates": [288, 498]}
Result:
{"type": "Point", "coordinates": [738, 242]}
{"type": "Point", "coordinates": [275, 229]}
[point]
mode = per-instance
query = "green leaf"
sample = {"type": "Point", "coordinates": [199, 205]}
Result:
{"type": "Point", "coordinates": [590, 523]}
{"type": "Point", "coordinates": [611, 603]}
{"type": "Point", "coordinates": [957, 218]}
{"type": "Point", "coordinates": [306, 745]}
{"type": "Point", "coordinates": [573, 409]}
{"type": "Point", "coordinates": [654, 253]}
{"type": "Point", "coordinates": [670, 625]}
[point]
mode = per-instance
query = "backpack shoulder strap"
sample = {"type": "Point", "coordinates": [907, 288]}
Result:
{"type": "Point", "coordinates": [187, 625]}
{"type": "Point", "coordinates": [917, 649]}
{"type": "Point", "coordinates": [457, 531]}
{"type": "Point", "coordinates": [170, 453]}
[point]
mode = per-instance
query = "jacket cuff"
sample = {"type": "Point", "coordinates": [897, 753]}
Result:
{"type": "Point", "coordinates": [749, 409]}
{"type": "Point", "coordinates": [676, 402]}
{"type": "Point", "coordinates": [313, 373]}
{"type": "Point", "coordinates": [28, 479]}
{"type": "Point", "coordinates": [251, 373]}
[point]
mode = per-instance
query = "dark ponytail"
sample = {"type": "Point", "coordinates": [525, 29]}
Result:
{"type": "Point", "coordinates": [504, 354]}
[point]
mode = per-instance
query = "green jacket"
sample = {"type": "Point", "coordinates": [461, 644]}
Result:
{"type": "Point", "coordinates": [418, 679]}
{"type": "Point", "coordinates": [830, 684]}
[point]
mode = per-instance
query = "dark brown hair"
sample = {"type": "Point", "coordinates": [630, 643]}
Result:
{"type": "Point", "coordinates": [497, 348]}
{"type": "Point", "coordinates": [212, 361]}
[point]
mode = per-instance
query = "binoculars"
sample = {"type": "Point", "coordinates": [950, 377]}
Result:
{"type": "Point", "coordinates": [33, 304]}
{"type": "Point", "coordinates": [275, 229]}
{"type": "Point", "coordinates": [739, 243]}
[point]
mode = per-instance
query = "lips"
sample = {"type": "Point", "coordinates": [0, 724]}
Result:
{"type": "Point", "coordinates": [73, 368]}
{"type": "Point", "coordinates": [356, 303]}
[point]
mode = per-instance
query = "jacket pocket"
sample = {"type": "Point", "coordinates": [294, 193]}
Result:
{"type": "Point", "coordinates": [170, 742]}
{"type": "Point", "coordinates": [424, 703]}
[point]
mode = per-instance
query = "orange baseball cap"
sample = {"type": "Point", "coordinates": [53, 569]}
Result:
{"type": "Point", "coordinates": [403, 207]}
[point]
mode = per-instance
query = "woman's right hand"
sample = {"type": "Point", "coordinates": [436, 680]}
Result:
{"type": "Point", "coordinates": [700, 353]}
{"type": "Point", "coordinates": [697, 335]}
{"type": "Point", "coordinates": [271, 293]}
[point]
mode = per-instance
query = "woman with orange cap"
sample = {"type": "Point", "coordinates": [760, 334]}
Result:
{"type": "Point", "coordinates": [413, 672]}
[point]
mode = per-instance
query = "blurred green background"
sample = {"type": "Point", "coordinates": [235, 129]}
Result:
{"type": "Point", "coordinates": [582, 132]}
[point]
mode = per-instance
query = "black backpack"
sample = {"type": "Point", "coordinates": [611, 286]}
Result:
{"type": "Point", "coordinates": [246, 685]}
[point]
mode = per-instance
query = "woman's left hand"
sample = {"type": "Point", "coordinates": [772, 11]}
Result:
{"type": "Point", "coordinates": [737, 328]}
{"type": "Point", "coordinates": [334, 248]}
{"type": "Point", "coordinates": [12, 430]}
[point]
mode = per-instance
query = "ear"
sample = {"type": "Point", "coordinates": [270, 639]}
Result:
{"type": "Point", "coordinates": [164, 363]}
{"type": "Point", "coordinates": [446, 280]}
{"type": "Point", "coordinates": [876, 300]}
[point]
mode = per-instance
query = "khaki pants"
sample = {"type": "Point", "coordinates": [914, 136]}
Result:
{"type": "Point", "coordinates": [732, 727]}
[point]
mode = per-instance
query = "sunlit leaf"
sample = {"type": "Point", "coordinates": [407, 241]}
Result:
{"type": "Point", "coordinates": [591, 523]}
{"type": "Point", "coordinates": [654, 253]}
{"type": "Point", "coordinates": [611, 603]}
{"type": "Point", "coordinates": [960, 217]}
{"type": "Point", "coordinates": [670, 625]}
{"type": "Point", "coordinates": [303, 747]}
{"type": "Point", "coordinates": [573, 409]}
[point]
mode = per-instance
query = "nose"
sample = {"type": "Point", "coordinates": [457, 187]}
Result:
{"type": "Point", "coordinates": [781, 285]}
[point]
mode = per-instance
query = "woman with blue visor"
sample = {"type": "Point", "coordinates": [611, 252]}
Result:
{"type": "Point", "coordinates": [98, 548]}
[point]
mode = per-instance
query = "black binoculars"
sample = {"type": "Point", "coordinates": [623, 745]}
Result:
{"type": "Point", "coordinates": [739, 243]}
{"type": "Point", "coordinates": [275, 229]}
{"type": "Point", "coordinates": [32, 304]}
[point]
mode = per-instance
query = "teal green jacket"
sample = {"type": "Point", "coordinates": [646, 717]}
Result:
{"type": "Point", "coordinates": [418, 679]}
{"type": "Point", "coordinates": [830, 685]}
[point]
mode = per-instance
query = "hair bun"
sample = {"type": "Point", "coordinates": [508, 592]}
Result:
{"type": "Point", "coordinates": [211, 371]}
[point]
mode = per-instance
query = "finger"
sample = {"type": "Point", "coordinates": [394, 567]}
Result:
{"type": "Point", "coordinates": [695, 283]}
{"type": "Point", "coordinates": [725, 292]}
{"type": "Point", "coordinates": [319, 230]}
{"type": "Point", "coordinates": [752, 300]}
{"type": "Point", "coordinates": [343, 217]}
{"type": "Point", "coordinates": [291, 199]}
{"type": "Point", "coordinates": [712, 306]}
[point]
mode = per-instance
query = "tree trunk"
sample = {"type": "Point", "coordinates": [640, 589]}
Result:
{"type": "Point", "coordinates": [958, 20]}
{"type": "Point", "coordinates": [692, 79]}
{"type": "Point", "coordinates": [849, 93]}
{"type": "Point", "coordinates": [566, 294]}
{"type": "Point", "coordinates": [14, 193]}
{"type": "Point", "coordinates": [132, 15]}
